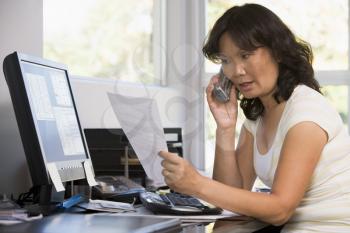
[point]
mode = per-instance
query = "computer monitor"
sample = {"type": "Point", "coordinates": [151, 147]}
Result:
{"type": "Point", "coordinates": [47, 118]}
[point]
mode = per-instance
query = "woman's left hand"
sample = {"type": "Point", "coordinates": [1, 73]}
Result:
{"type": "Point", "coordinates": [179, 174]}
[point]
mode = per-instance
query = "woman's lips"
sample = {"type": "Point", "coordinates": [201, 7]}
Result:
{"type": "Point", "coordinates": [246, 86]}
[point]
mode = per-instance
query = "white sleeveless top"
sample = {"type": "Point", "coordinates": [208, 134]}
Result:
{"type": "Point", "coordinates": [326, 204]}
{"type": "Point", "coordinates": [262, 163]}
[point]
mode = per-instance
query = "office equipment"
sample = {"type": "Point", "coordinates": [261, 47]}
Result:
{"type": "Point", "coordinates": [109, 147]}
{"type": "Point", "coordinates": [72, 201]}
{"type": "Point", "coordinates": [48, 123]}
{"type": "Point", "coordinates": [176, 203]}
{"type": "Point", "coordinates": [118, 188]}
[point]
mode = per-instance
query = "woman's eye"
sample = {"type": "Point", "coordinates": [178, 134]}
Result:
{"type": "Point", "coordinates": [223, 61]}
{"type": "Point", "coordinates": [245, 55]}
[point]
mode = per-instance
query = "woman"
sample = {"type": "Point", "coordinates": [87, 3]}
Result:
{"type": "Point", "coordinates": [293, 139]}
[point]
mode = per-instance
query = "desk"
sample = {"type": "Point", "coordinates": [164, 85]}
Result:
{"type": "Point", "coordinates": [81, 223]}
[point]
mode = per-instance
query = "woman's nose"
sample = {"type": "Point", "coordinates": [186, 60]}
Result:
{"type": "Point", "coordinates": [235, 71]}
{"type": "Point", "coordinates": [239, 70]}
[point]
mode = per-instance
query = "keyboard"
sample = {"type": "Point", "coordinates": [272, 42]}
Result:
{"type": "Point", "coordinates": [117, 188]}
{"type": "Point", "coordinates": [177, 204]}
{"type": "Point", "coordinates": [177, 199]}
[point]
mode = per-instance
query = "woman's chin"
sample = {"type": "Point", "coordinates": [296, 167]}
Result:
{"type": "Point", "coordinates": [248, 95]}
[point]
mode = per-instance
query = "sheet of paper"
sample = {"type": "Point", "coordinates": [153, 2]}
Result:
{"type": "Point", "coordinates": [142, 211]}
{"type": "Point", "coordinates": [113, 204]}
{"type": "Point", "coordinates": [140, 120]}
{"type": "Point", "coordinates": [55, 177]}
{"type": "Point", "coordinates": [89, 174]}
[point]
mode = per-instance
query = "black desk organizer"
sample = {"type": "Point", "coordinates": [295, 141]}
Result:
{"type": "Point", "coordinates": [107, 151]}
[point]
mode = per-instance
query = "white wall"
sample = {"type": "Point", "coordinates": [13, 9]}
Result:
{"type": "Point", "coordinates": [21, 30]}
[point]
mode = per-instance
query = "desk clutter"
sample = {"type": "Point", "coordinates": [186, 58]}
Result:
{"type": "Point", "coordinates": [112, 154]}
{"type": "Point", "coordinates": [12, 213]}
{"type": "Point", "coordinates": [122, 182]}
{"type": "Point", "coordinates": [107, 206]}
{"type": "Point", "coordinates": [117, 188]}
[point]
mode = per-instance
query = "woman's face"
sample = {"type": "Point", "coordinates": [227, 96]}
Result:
{"type": "Point", "coordinates": [254, 73]}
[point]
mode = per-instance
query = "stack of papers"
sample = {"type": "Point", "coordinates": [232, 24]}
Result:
{"type": "Point", "coordinates": [107, 206]}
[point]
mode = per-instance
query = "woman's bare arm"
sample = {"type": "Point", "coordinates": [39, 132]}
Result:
{"type": "Point", "coordinates": [234, 167]}
{"type": "Point", "coordinates": [300, 153]}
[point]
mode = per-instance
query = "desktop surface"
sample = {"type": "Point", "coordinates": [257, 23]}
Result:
{"type": "Point", "coordinates": [92, 223]}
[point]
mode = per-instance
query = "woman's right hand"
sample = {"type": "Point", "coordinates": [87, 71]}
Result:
{"type": "Point", "coordinates": [225, 114]}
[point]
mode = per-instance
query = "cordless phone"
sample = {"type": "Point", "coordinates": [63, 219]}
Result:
{"type": "Point", "coordinates": [222, 89]}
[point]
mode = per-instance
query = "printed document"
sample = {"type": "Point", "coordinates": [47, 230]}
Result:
{"type": "Point", "coordinates": [140, 121]}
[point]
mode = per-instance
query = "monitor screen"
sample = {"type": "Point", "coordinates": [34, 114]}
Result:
{"type": "Point", "coordinates": [47, 118]}
{"type": "Point", "coordinates": [53, 112]}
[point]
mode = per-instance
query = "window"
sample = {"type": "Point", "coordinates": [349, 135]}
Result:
{"type": "Point", "coordinates": [313, 21]}
{"type": "Point", "coordinates": [110, 39]}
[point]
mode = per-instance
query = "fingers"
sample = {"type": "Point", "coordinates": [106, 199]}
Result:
{"type": "Point", "coordinates": [171, 167]}
{"type": "Point", "coordinates": [210, 88]}
{"type": "Point", "coordinates": [209, 92]}
{"type": "Point", "coordinates": [169, 180]}
{"type": "Point", "coordinates": [233, 94]}
{"type": "Point", "coordinates": [169, 172]}
{"type": "Point", "coordinates": [171, 157]}
{"type": "Point", "coordinates": [166, 173]}
{"type": "Point", "coordinates": [212, 82]}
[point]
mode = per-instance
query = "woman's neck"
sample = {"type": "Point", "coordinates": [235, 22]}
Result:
{"type": "Point", "coordinates": [271, 105]}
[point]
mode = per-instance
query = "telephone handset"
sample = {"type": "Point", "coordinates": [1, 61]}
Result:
{"type": "Point", "coordinates": [222, 88]}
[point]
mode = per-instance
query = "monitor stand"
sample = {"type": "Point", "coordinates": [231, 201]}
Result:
{"type": "Point", "coordinates": [45, 210]}
{"type": "Point", "coordinates": [45, 200]}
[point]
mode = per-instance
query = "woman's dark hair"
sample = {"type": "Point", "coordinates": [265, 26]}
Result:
{"type": "Point", "coordinates": [251, 26]}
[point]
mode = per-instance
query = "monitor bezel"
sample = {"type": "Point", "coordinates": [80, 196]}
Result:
{"type": "Point", "coordinates": [69, 170]}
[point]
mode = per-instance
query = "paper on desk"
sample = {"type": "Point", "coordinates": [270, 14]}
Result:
{"type": "Point", "coordinates": [55, 177]}
{"type": "Point", "coordinates": [142, 211]}
{"type": "Point", "coordinates": [107, 206]}
{"type": "Point", "coordinates": [140, 120]}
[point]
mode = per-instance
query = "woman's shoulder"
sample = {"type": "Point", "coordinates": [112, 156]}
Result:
{"type": "Point", "coordinates": [304, 96]}
{"type": "Point", "coordinates": [304, 92]}
{"type": "Point", "coordinates": [307, 104]}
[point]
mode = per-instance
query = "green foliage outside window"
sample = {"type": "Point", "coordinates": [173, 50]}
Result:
{"type": "Point", "coordinates": [101, 38]}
